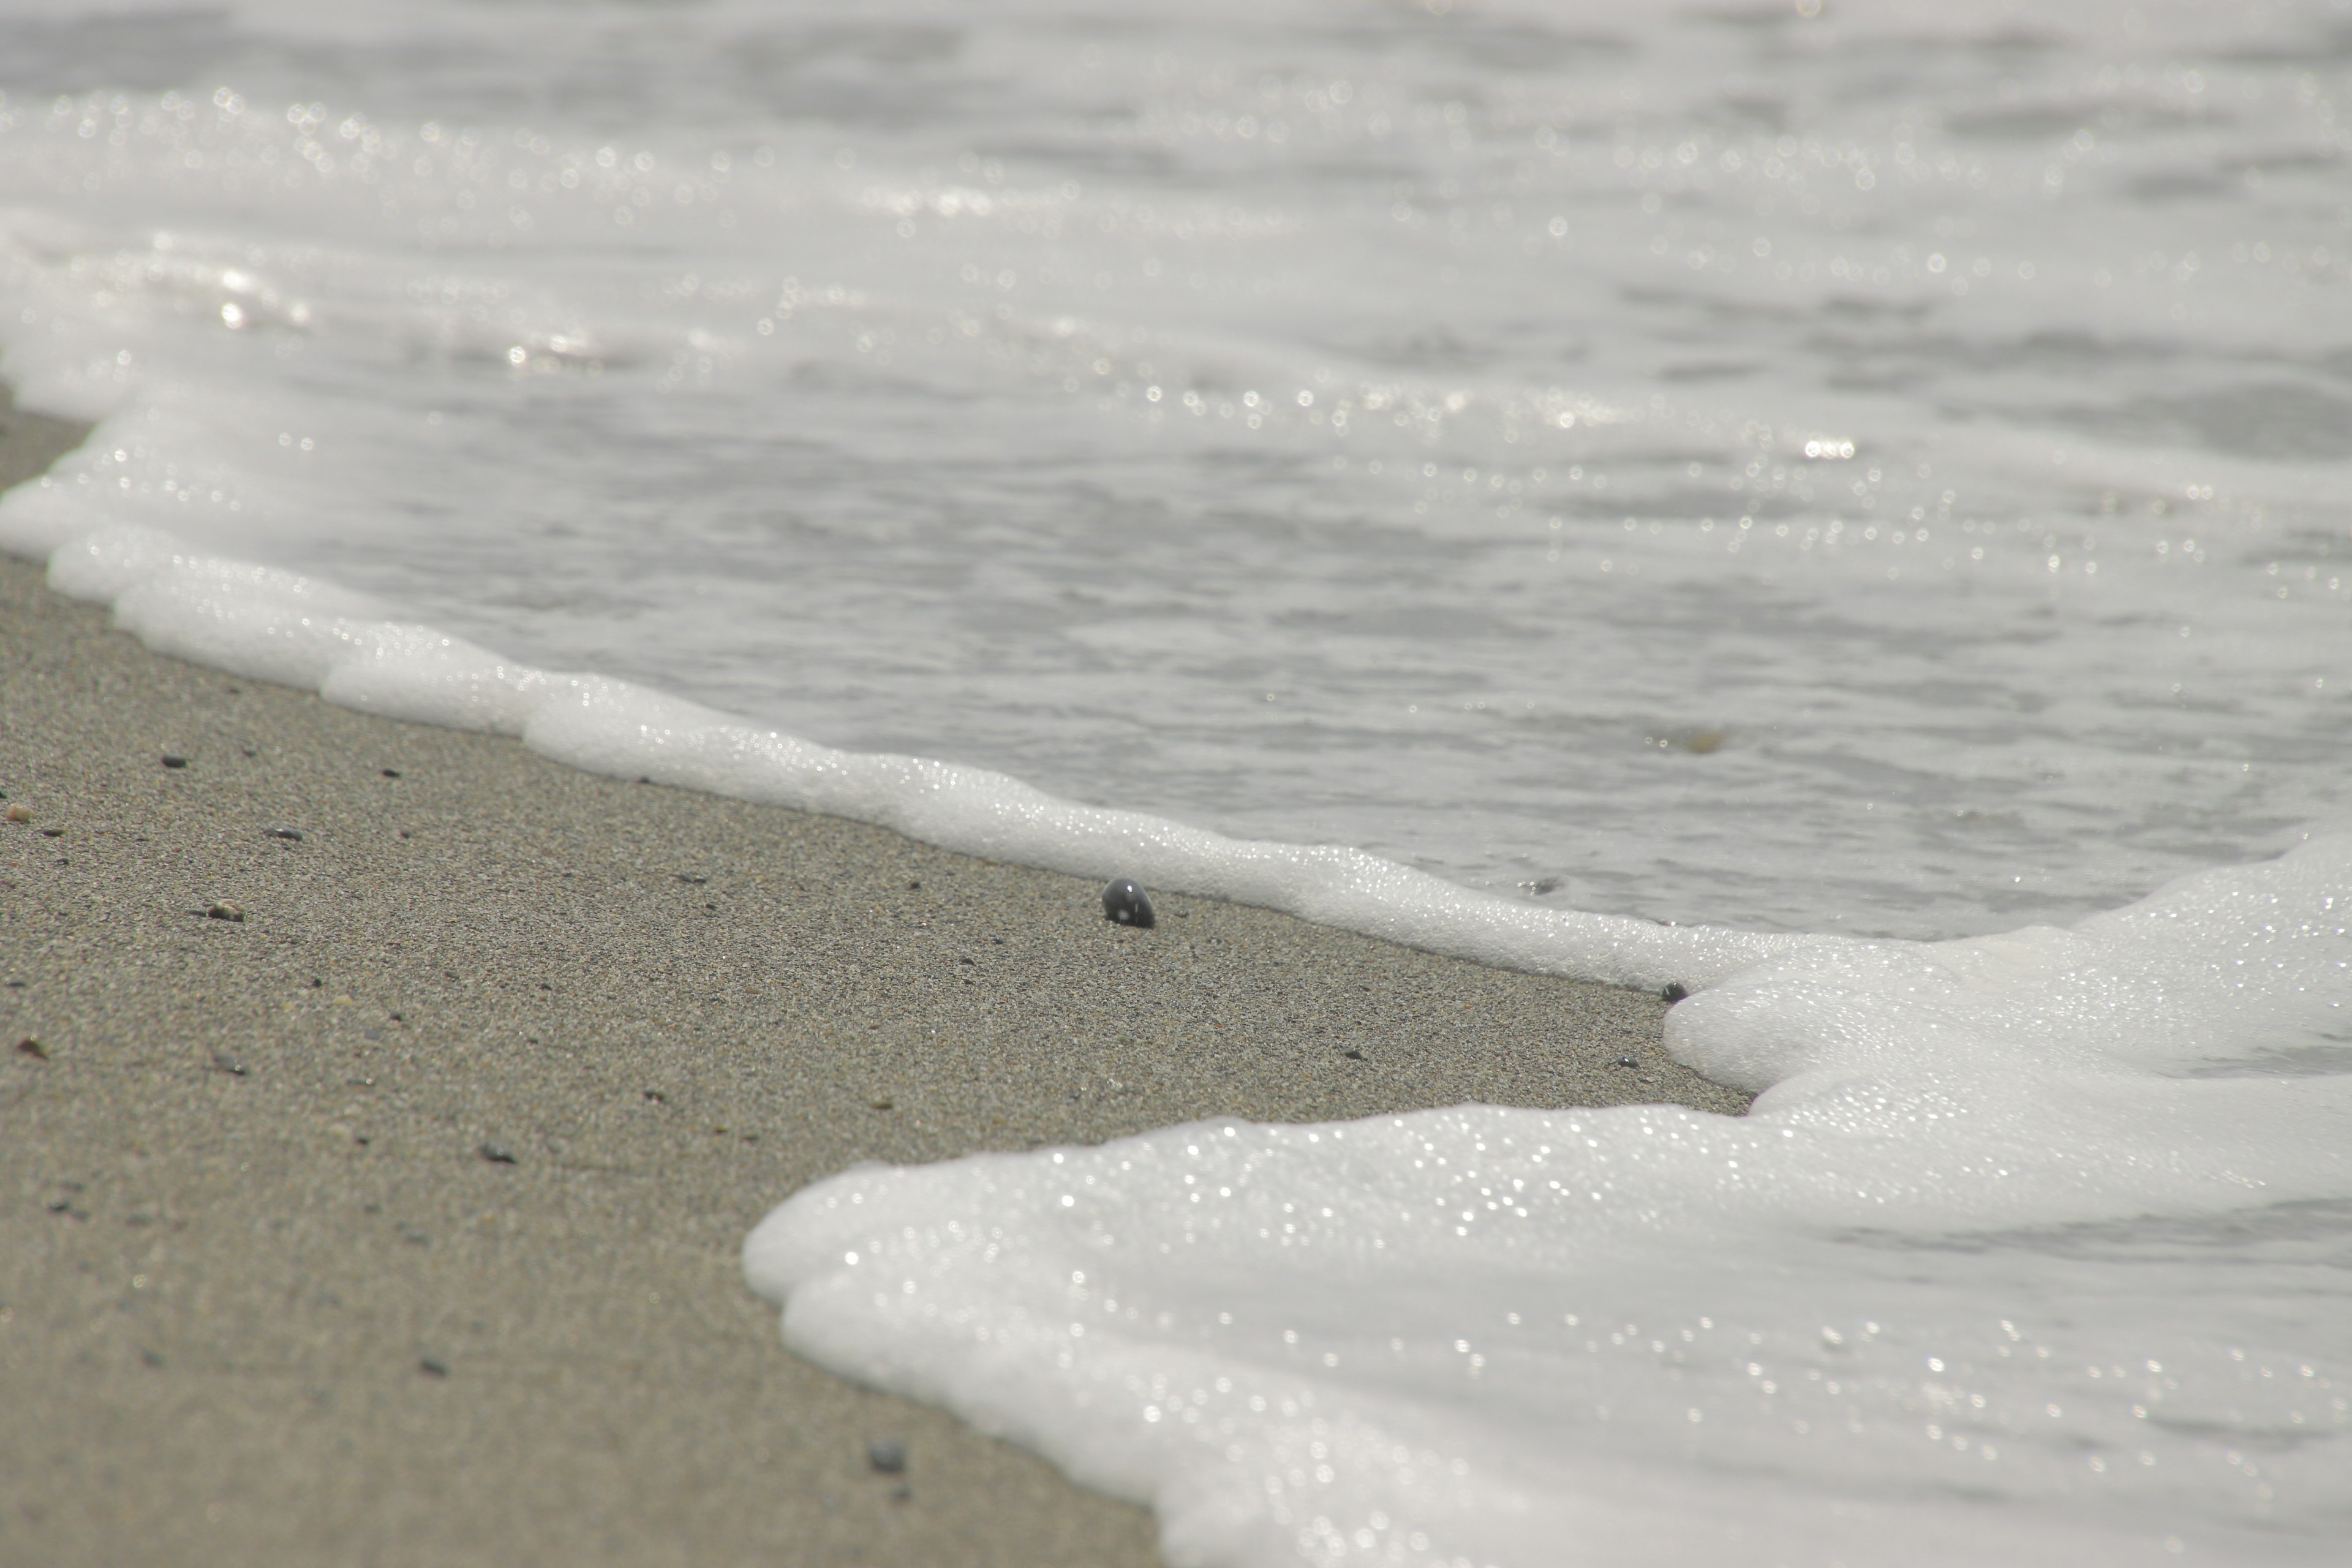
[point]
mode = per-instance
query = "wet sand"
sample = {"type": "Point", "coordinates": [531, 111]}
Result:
{"type": "Point", "coordinates": [397, 1221]}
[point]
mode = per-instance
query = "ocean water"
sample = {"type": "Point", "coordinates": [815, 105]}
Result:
{"type": "Point", "coordinates": [1841, 506]}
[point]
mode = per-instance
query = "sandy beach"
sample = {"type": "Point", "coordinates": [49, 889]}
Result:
{"type": "Point", "coordinates": [383, 1109]}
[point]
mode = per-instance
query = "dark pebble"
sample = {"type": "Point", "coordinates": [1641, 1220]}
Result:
{"type": "Point", "coordinates": [150, 1358]}
{"type": "Point", "coordinates": [389, 773]}
{"type": "Point", "coordinates": [1125, 904]}
{"type": "Point", "coordinates": [432, 1368]}
{"type": "Point", "coordinates": [1627, 1062]}
{"type": "Point", "coordinates": [224, 911]}
{"type": "Point", "coordinates": [690, 878]}
{"type": "Point", "coordinates": [293, 833]}
{"type": "Point", "coordinates": [171, 761]}
{"type": "Point", "coordinates": [886, 1457]}
{"type": "Point", "coordinates": [1352, 1054]}
{"type": "Point", "coordinates": [1675, 991]}
{"type": "Point", "coordinates": [498, 1154]}
{"type": "Point", "coordinates": [223, 1062]}
{"type": "Point", "coordinates": [30, 1046]}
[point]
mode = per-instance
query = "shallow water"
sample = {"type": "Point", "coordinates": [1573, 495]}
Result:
{"type": "Point", "coordinates": [1876, 472]}
{"type": "Point", "coordinates": [851, 426]}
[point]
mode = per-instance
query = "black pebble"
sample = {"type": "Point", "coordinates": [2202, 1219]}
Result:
{"type": "Point", "coordinates": [1352, 1054]}
{"type": "Point", "coordinates": [1627, 1062]}
{"type": "Point", "coordinates": [1125, 904]}
{"type": "Point", "coordinates": [389, 773]}
{"type": "Point", "coordinates": [171, 761]}
{"type": "Point", "coordinates": [885, 1456]}
{"type": "Point", "coordinates": [432, 1368]}
{"type": "Point", "coordinates": [1675, 991]}
{"type": "Point", "coordinates": [498, 1154]}
{"type": "Point", "coordinates": [293, 833]}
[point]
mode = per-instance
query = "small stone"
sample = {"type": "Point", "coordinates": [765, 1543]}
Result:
{"type": "Point", "coordinates": [1352, 1054]}
{"type": "Point", "coordinates": [1675, 991]}
{"type": "Point", "coordinates": [293, 833]}
{"type": "Point", "coordinates": [887, 1456]}
{"type": "Point", "coordinates": [688, 877]}
{"type": "Point", "coordinates": [223, 1062]}
{"type": "Point", "coordinates": [20, 813]}
{"type": "Point", "coordinates": [225, 910]}
{"type": "Point", "coordinates": [171, 761]}
{"type": "Point", "coordinates": [30, 1046]}
{"type": "Point", "coordinates": [1124, 903]}
{"type": "Point", "coordinates": [53, 832]}
{"type": "Point", "coordinates": [882, 1104]}
{"type": "Point", "coordinates": [389, 773]}
{"type": "Point", "coordinates": [499, 1154]}
{"type": "Point", "coordinates": [431, 1367]}
{"type": "Point", "coordinates": [1627, 1062]}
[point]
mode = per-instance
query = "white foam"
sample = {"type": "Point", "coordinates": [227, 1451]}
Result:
{"type": "Point", "coordinates": [1988, 1275]}
{"type": "Point", "coordinates": [286, 627]}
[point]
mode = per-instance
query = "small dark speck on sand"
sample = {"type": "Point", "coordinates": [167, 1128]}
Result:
{"type": "Point", "coordinates": [882, 1104]}
{"type": "Point", "coordinates": [389, 773]}
{"type": "Point", "coordinates": [914, 885]}
{"type": "Point", "coordinates": [150, 1358]}
{"type": "Point", "coordinates": [293, 833]}
{"type": "Point", "coordinates": [1627, 1062]}
{"type": "Point", "coordinates": [30, 1046]}
{"type": "Point", "coordinates": [498, 1154]}
{"type": "Point", "coordinates": [1352, 1054]}
{"type": "Point", "coordinates": [16, 985]}
{"type": "Point", "coordinates": [689, 877]}
{"type": "Point", "coordinates": [223, 1062]}
{"type": "Point", "coordinates": [657, 1096]}
{"type": "Point", "coordinates": [53, 832]}
{"type": "Point", "coordinates": [171, 761]}
{"type": "Point", "coordinates": [1124, 903]}
{"type": "Point", "coordinates": [1675, 991]}
{"type": "Point", "coordinates": [432, 1368]}
{"type": "Point", "coordinates": [887, 1456]}
{"type": "Point", "coordinates": [225, 910]}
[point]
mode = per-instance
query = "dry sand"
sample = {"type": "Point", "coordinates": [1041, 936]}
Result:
{"type": "Point", "coordinates": [264, 1300]}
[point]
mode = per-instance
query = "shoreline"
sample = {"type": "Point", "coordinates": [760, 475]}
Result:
{"type": "Point", "coordinates": [399, 1220]}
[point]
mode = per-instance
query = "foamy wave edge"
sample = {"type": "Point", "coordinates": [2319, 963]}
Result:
{"type": "Point", "coordinates": [268, 623]}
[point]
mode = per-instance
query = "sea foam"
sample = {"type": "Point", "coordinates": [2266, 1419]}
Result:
{"type": "Point", "coordinates": [2032, 1251]}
